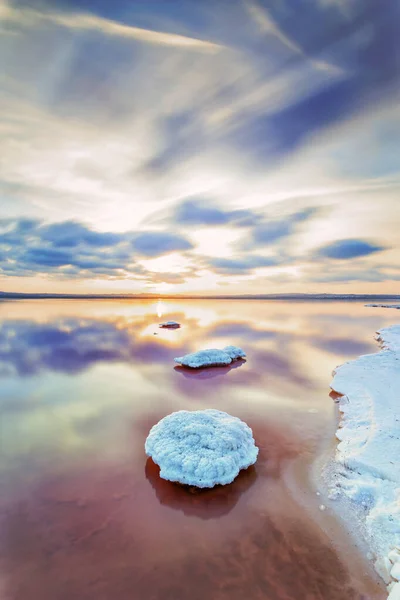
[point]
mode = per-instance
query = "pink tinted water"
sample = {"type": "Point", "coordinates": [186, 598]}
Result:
{"type": "Point", "coordinates": [84, 514]}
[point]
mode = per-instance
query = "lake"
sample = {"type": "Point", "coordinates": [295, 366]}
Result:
{"type": "Point", "coordinates": [83, 512]}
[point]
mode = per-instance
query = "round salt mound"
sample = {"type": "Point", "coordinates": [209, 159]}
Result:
{"type": "Point", "coordinates": [202, 448]}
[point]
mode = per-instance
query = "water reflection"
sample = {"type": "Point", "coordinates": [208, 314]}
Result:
{"type": "Point", "coordinates": [281, 366]}
{"type": "Point", "coordinates": [241, 330]}
{"type": "Point", "coordinates": [205, 504]}
{"type": "Point", "coordinates": [100, 535]}
{"type": "Point", "coordinates": [345, 346]}
{"type": "Point", "coordinates": [208, 372]}
{"type": "Point", "coordinates": [106, 530]}
{"type": "Point", "coordinates": [72, 345]}
{"type": "Point", "coordinates": [82, 515]}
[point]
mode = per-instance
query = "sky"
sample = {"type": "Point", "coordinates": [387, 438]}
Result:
{"type": "Point", "coordinates": [187, 146]}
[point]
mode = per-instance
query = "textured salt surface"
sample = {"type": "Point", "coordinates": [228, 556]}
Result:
{"type": "Point", "coordinates": [211, 357]}
{"type": "Point", "coordinates": [366, 472]}
{"type": "Point", "coordinates": [202, 448]}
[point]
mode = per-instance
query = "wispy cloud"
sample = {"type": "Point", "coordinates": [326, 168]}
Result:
{"type": "Point", "coordinates": [268, 26]}
{"type": "Point", "coordinates": [28, 17]}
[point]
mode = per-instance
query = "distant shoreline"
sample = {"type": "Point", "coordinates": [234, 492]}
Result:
{"type": "Point", "coordinates": [282, 297]}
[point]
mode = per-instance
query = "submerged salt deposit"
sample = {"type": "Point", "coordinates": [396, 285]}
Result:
{"type": "Point", "coordinates": [211, 357]}
{"type": "Point", "coordinates": [366, 472]}
{"type": "Point", "coordinates": [202, 448]}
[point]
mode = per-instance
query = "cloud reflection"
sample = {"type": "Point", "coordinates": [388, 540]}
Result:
{"type": "Point", "coordinates": [73, 345]}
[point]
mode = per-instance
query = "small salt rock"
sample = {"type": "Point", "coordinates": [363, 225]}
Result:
{"type": "Point", "coordinates": [395, 572]}
{"type": "Point", "coordinates": [170, 325]}
{"type": "Point", "coordinates": [395, 592]}
{"type": "Point", "coordinates": [333, 493]}
{"type": "Point", "coordinates": [383, 567]}
{"type": "Point", "coordinates": [394, 555]}
{"type": "Point", "coordinates": [212, 357]}
{"type": "Point", "coordinates": [318, 493]}
{"type": "Point", "coordinates": [322, 507]}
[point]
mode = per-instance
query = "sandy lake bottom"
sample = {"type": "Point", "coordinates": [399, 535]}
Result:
{"type": "Point", "coordinates": [83, 512]}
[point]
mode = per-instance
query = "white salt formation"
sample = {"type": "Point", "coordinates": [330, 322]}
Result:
{"type": "Point", "coordinates": [211, 357]}
{"type": "Point", "coordinates": [201, 448]}
{"type": "Point", "coordinates": [169, 325]}
{"type": "Point", "coordinates": [234, 352]}
{"type": "Point", "coordinates": [367, 472]}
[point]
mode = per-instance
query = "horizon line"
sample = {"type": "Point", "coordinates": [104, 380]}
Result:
{"type": "Point", "coordinates": [152, 296]}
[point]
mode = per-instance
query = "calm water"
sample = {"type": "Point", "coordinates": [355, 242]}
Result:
{"type": "Point", "coordinates": [84, 515]}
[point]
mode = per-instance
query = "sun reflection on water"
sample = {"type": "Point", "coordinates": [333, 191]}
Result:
{"type": "Point", "coordinates": [160, 308]}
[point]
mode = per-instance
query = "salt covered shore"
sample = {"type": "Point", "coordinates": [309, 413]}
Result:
{"type": "Point", "coordinates": [364, 477]}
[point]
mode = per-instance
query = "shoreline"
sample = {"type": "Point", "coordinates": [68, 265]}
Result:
{"type": "Point", "coordinates": [305, 487]}
{"type": "Point", "coordinates": [362, 479]}
{"type": "Point", "coordinates": [304, 483]}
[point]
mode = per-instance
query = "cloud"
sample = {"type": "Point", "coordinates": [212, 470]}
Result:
{"type": "Point", "coordinates": [71, 233]}
{"type": "Point", "coordinates": [156, 243]}
{"type": "Point", "coordinates": [368, 275]}
{"type": "Point", "coordinates": [48, 257]}
{"type": "Point", "coordinates": [353, 67]}
{"type": "Point", "coordinates": [122, 122]}
{"type": "Point", "coordinates": [90, 22]}
{"type": "Point", "coordinates": [268, 26]}
{"type": "Point", "coordinates": [194, 212]}
{"type": "Point", "coordinates": [268, 232]}
{"type": "Point", "coordinates": [204, 212]}
{"type": "Point", "coordinates": [348, 249]}
{"type": "Point", "coordinates": [242, 266]}
{"type": "Point", "coordinates": [71, 249]}
{"type": "Point", "coordinates": [271, 232]}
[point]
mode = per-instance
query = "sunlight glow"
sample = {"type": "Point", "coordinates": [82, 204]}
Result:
{"type": "Point", "coordinates": [171, 263]}
{"type": "Point", "coordinates": [218, 241]}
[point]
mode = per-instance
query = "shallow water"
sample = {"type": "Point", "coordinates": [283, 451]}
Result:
{"type": "Point", "coordinates": [84, 514]}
